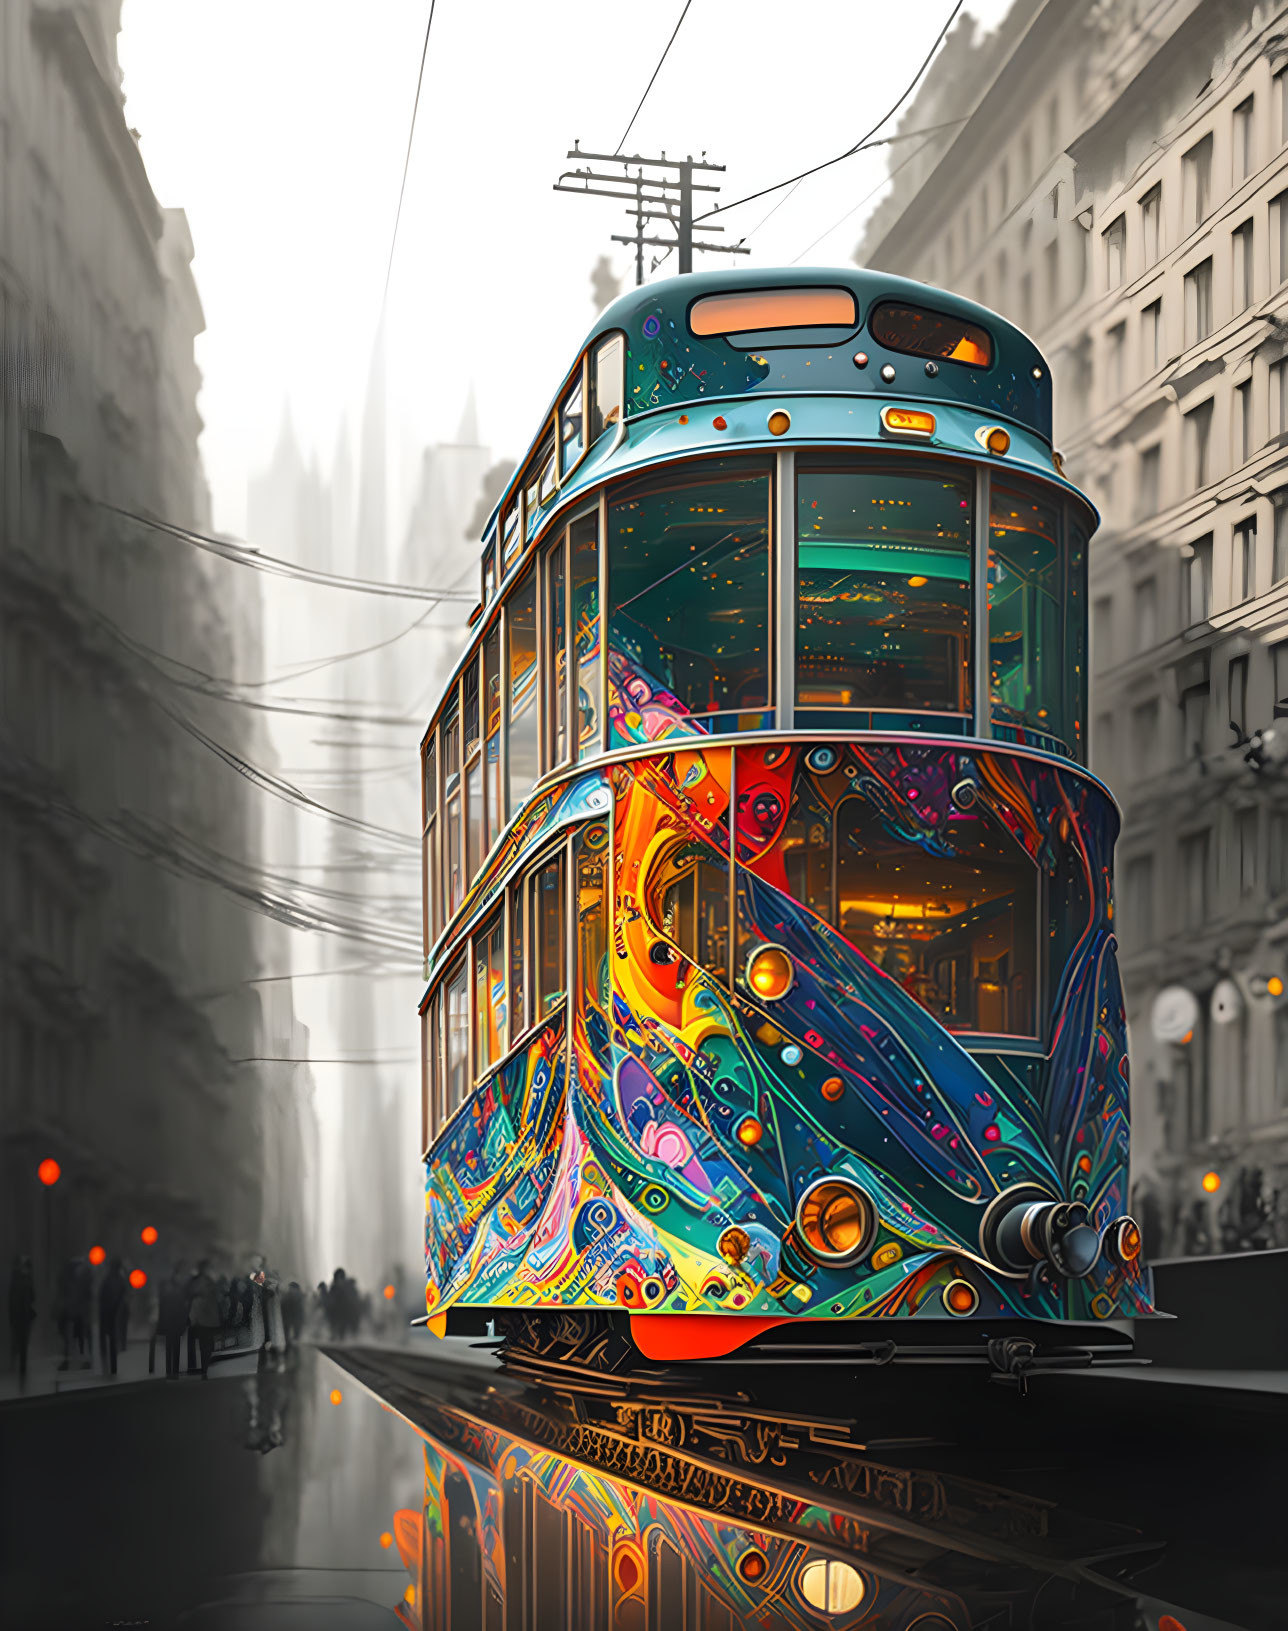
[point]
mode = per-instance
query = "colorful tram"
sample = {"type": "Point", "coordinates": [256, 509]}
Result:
{"type": "Point", "coordinates": [768, 900]}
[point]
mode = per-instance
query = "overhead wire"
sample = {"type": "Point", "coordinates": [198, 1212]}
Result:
{"type": "Point", "coordinates": [885, 180]}
{"type": "Point", "coordinates": [411, 132]}
{"type": "Point", "coordinates": [634, 116]}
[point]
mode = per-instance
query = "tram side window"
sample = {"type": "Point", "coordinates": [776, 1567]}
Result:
{"type": "Point", "coordinates": [522, 759]}
{"type": "Point", "coordinates": [584, 549]}
{"type": "Point", "coordinates": [454, 875]}
{"type": "Point", "coordinates": [607, 386]}
{"type": "Point", "coordinates": [473, 773]}
{"type": "Point", "coordinates": [432, 873]}
{"type": "Point", "coordinates": [883, 589]}
{"type": "Point", "coordinates": [456, 1076]}
{"type": "Point", "coordinates": [571, 428]}
{"type": "Point", "coordinates": [491, 1011]}
{"type": "Point", "coordinates": [546, 920]}
{"type": "Point", "coordinates": [696, 914]}
{"type": "Point", "coordinates": [555, 621]}
{"type": "Point", "coordinates": [510, 532]}
{"type": "Point", "coordinates": [1026, 616]}
{"type": "Point", "coordinates": [689, 588]}
{"type": "Point", "coordinates": [494, 818]}
{"type": "Point", "coordinates": [1075, 615]}
{"type": "Point", "coordinates": [431, 1068]}
{"type": "Point", "coordinates": [959, 932]}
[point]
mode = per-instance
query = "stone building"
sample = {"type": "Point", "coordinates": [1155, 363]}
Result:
{"type": "Point", "coordinates": [129, 849]}
{"type": "Point", "coordinates": [1115, 180]}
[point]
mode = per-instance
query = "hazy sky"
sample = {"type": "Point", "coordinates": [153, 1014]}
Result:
{"type": "Point", "coordinates": [281, 125]}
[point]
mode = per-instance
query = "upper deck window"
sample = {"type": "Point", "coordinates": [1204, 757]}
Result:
{"type": "Point", "coordinates": [689, 590]}
{"type": "Point", "coordinates": [607, 386]}
{"type": "Point", "coordinates": [922, 333]}
{"type": "Point", "coordinates": [883, 590]}
{"type": "Point", "coordinates": [753, 311]}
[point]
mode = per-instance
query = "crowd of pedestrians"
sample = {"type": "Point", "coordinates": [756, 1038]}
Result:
{"type": "Point", "coordinates": [191, 1314]}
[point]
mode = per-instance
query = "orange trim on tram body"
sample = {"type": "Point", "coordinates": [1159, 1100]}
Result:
{"type": "Point", "coordinates": [699, 1336]}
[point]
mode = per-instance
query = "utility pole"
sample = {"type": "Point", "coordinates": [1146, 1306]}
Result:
{"type": "Point", "coordinates": [666, 197]}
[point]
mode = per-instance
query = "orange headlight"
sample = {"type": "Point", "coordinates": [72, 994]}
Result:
{"type": "Point", "coordinates": [770, 973]}
{"type": "Point", "coordinates": [960, 1297]}
{"type": "Point", "coordinates": [835, 1220]}
{"type": "Point", "coordinates": [993, 439]}
{"type": "Point", "coordinates": [908, 421]}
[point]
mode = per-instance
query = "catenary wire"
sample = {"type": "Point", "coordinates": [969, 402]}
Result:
{"type": "Point", "coordinates": [411, 132]}
{"type": "Point", "coordinates": [888, 177]}
{"type": "Point", "coordinates": [634, 116]}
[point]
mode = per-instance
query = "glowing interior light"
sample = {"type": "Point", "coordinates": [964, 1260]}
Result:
{"type": "Point", "coordinates": [1211, 1182]}
{"type": "Point", "coordinates": [769, 972]}
{"type": "Point", "coordinates": [908, 421]}
{"type": "Point", "coordinates": [918, 582]}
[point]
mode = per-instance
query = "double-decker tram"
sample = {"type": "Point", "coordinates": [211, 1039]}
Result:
{"type": "Point", "coordinates": [769, 932]}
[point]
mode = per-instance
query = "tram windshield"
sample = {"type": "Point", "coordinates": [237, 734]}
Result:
{"type": "Point", "coordinates": [689, 585]}
{"type": "Point", "coordinates": [883, 591]}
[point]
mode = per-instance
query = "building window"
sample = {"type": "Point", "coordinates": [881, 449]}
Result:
{"type": "Point", "coordinates": [1117, 340]}
{"type": "Point", "coordinates": [1198, 438]}
{"type": "Point", "coordinates": [1279, 397]}
{"type": "Point", "coordinates": [1138, 900]}
{"type": "Point", "coordinates": [1245, 828]}
{"type": "Point", "coordinates": [1279, 669]}
{"type": "Point", "coordinates": [1151, 463]}
{"type": "Point", "coordinates": [1102, 747]}
{"type": "Point", "coordinates": [1238, 696]}
{"type": "Point", "coordinates": [1197, 583]}
{"type": "Point", "coordinates": [1051, 254]}
{"type": "Point", "coordinates": [1145, 610]}
{"type": "Point", "coordinates": [1281, 106]}
{"type": "Point", "coordinates": [1144, 737]}
{"type": "Point", "coordinates": [1194, 713]}
{"type": "Point", "coordinates": [1243, 141]}
{"type": "Point", "coordinates": [1279, 567]}
{"type": "Point", "coordinates": [1026, 159]}
{"type": "Point", "coordinates": [1194, 880]}
{"type": "Point", "coordinates": [1102, 630]}
{"type": "Point", "coordinates": [1279, 220]}
{"type": "Point", "coordinates": [1151, 337]}
{"type": "Point", "coordinates": [1241, 423]}
{"type": "Point", "coordinates": [1243, 564]}
{"type": "Point", "coordinates": [1243, 267]}
{"type": "Point", "coordinates": [1277, 855]}
{"type": "Point", "coordinates": [1198, 303]}
{"type": "Point", "coordinates": [1196, 170]}
{"type": "Point", "coordinates": [1004, 186]}
{"type": "Point", "coordinates": [1026, 300]}
{"type": "Point", "coordinates": [1151, 225]}
{"type": "Point", "coordinates": [1115, 240]}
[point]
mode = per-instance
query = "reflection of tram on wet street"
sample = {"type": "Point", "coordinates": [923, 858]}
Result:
{"type": "Point", "coordinates": [713, 1499]}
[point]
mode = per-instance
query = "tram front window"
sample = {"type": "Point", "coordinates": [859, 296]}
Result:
{"type": "Point", "coordinates": [883, 594]}
{"type": "Point", "coordinates": [1026, 655]}
{"type": "Point", "coordinates": [688, 587]}
{"type": "Point", "coordinates": [958, 932]}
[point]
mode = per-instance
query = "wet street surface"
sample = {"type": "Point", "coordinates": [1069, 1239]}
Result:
{"type": "Point", "coordinates": [428, 1486]}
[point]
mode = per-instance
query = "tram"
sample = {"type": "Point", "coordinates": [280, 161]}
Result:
{"type": "Point", "coordinates": [769, 920]}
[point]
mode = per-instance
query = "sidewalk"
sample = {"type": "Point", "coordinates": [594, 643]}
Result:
{"type": "Point", "coordinates": [44, 1376]}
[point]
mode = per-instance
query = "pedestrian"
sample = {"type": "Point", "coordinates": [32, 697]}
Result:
{"type": "Point", "coordinates": [203, 1313]}
{"type": "Point", "coordinates": [321, 1303]}
{"type": "Point", "coordinates": [293, 1312]}
{"type": "Point", "coordinates": [83, 1313]}
{"type": "Point", "coordinates": [267, 1331]}
{"type": "Point", "coordinates": [65, 1309]}
{"type": "Point", "coordinates": [22, 1312]}
{"type": "Point", "coordinates": [111, 1300]}
{"type": "Point", "coordinates": [172, 1317]}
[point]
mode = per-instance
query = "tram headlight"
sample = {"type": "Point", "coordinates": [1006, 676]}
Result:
{"type": "Point", "coordinates": [770, 973]}
{"type": "Point", "coordinates": [1122, 1240]}
{"type": "Point", "coordinates": [1026, 1230]}
{"type": "Point", "coordinates": [908, 422]}
{"type": "Point", "coordinates": [960, 1297]}
{"type": "Point", "coordinates": [993, 439]}
{"type": "Point", "coordinates": [835, 1220]}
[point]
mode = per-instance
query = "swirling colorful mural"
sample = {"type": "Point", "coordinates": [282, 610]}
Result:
{"type": "Point", "coordinates": [951, 1031]}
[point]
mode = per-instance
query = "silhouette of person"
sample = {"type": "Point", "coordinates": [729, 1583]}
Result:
{"type": "Point", "coordinates": [203, 1313]}
{"type": "Point", "coordinates": [22, 1312]}
{"type": "Point", "coordinates": [111, 1301]}
{"type": "Point", "coordinates": [293, 1312]}
{"type": "Point", "coordinates": [172, 1317]}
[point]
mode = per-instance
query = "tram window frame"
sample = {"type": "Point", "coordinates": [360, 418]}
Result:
{"type": "Point", "coordinates": [554, 653]}
{"type": "Point", "coordinates": [543, 1002]}
{"type": "Point", "coordinates": [904, 348]}
{"type": "Point", "coordinates": [488, 573]}
{"type": "Point", "coordinates": [453, 845]}
{"type": "Point", "coordinates": [431, 874]}
{"type": "Point", "coordinates": [879, 712]}
{"type": "Point", "coordinates": [431, 1067]}
{"type": "Point", "coordinates": [522, 620]}
{"type": "Point", "coordinates": [457, 976]}
{"type": "Point", "coordinates": [472, 765]}
{"type": "Point", "coordinates": [575, 392]}
{"type": "Point", "coordinates": [493, 705]}
{"type": "Point", "coordinates": [609, 351]}
{"type": "Point", "coordinates": [510, 530]}
{"type": "Point", "coordinates": [585, 725]}
{"type": "Point", "coordinates": [489, 956]}
{"type": "Point", "coordinates": [1037, 655]}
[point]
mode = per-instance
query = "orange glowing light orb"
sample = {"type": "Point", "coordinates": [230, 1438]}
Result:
{"type": "Point", "coordinates": [97, 1255]}
{"type": "Point", "coordinates": [918, 582]}
{"type": "Point", "coordinates": [336, 1395]}
{"type": "Point", "coordinates": [960, 1297]}
{"type": "Point", "coordinates": [1275, 986]}
{"type": "Point", "coordinates": [769, 973]}
{"type": "Point", "coordinates": [832, 1088]}
{"type": "Point", "coordinates": [997, 441]}
{"type": "Point", "coordinates": [390, 1294]}
{"type": "Point", "coordinates": [148, 1235]}
{"type": "Point", "coordinates": [779, 423]}
{"type": "Point", "coordinates": [750, 1132]}
{"type": "Point", "coordinates": [409, 1596]}
{"type": "Point", "coordinates": [1128, 1241]}
{"type": "Point", "coordinates": [386, 1540]}
{"type": "Point", "coordinates": [138, 1279]}
{"type": "Point", "coordinates": [1211, 1182]}
{"type": "Point", "coordinates": [1169, 1622]}
{"type": "Point", "coordinates": [49, 1172]}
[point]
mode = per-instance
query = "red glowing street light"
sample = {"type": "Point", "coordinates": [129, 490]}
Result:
{"type": "Point", "coordinates": [138, 1279]}
{"type": "Point", "coordinates": [390, 1293]}
{"type": "Point", "coordinates": [49, 1172]}
{"type": "Point", "coordinates": [97, 1255]}
{"type": "Point", "coordinates": [148, 1236]}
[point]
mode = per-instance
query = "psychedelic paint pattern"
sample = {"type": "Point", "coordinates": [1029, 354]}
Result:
{"type": "Point", "coordinates": [941, 1042]}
